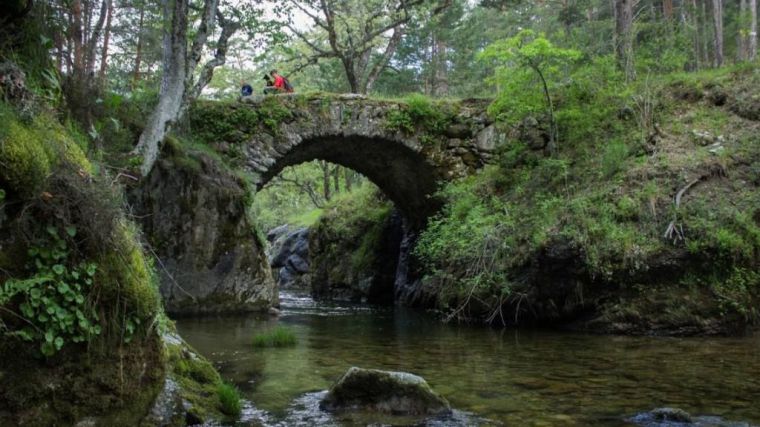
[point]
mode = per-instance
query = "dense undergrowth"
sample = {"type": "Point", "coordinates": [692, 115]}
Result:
{"type": "Point", "coordinates": [595, 231]}
{"type": "Point", "coordinates": [74, 281]}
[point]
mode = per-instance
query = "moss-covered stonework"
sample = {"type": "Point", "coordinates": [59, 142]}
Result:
{"type": "Point", "coordinates": [194, 212]}
{"type": "Point", "coordinates": [405, 146]}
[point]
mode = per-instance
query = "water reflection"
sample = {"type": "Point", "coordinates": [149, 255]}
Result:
{"type": "Point", "coordinates": [509, 376]}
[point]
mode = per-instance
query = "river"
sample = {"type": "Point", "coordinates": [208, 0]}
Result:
{"type": "Point", "coordinates": [491, 376]}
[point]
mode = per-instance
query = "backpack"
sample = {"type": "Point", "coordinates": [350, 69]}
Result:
{"type": "Point", "coordinates": [288, 86]}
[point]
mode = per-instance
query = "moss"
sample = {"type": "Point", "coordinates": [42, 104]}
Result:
{"type": "Point", "coordinates": [25, 163]}
{"type": "Point", "coordinates": [272, 112]}
{"type": "Point", "coordinates": [30, 151]}
{"type": "Point", "coordinates": [198, 380]}
{"type": "Point", "coordinates": [130, 276]}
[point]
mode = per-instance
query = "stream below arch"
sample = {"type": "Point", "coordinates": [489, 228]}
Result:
{"type": "Point", "coordinates": [492, 377]}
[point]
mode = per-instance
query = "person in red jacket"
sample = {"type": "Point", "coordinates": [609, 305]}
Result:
{"type": "Point", "coordinates": [281, 84]}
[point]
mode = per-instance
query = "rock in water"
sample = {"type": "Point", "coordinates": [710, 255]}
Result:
{"type": "Point", "coordinates": [397, 393]}
{"type": "Point", "coordinates": [672, 414]}
{"type": "Point", "coordinates": [663, 417]}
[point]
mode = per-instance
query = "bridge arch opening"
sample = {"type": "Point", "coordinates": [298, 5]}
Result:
{"type": "Point", "coordinates": [404, 175]}
{"type": "Point", "coordinates": [406, 178]}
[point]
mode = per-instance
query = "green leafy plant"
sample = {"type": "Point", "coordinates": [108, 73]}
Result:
{"type": "Point", "coordinates": [53, 301]}
{"type": "Point", "coordinates": [229, 399]}
{"type": "Point", "coordinates": [280, 336]}
{"type": "Point", "coordinates": [400, 120]}
{"type": "Point", "coordinates": [529, 50]}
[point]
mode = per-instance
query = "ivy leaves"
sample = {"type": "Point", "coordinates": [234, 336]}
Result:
{"type": "Point", "coordinates": [53, 301]}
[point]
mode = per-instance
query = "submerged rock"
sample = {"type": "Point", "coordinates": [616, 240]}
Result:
{"type": "Point", "coordinates": [397, 393]}
{"type": "Point", "coordinates": [675, 417]}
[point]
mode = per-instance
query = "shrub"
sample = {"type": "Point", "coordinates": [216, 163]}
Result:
{"type": "Point", "coordinates": [614, 157]}
{"type": "Point", "coordinates": [280, 336]}
{"type": "Point", "coordinates": [229, 399]}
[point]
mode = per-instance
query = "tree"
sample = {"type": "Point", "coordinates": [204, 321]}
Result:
{"type": "Point", "coordinates": [538, 54]}
{"type": "Point", "coordinates": [753, 30]}
{"type": "Point", "coordinates": [362, 34]}
{"type": "Point", "coordinates": [181, 82]}
{"type": "Point", "coordinates": [624, 37]}
{"type": "Point", "coordinates": [718, 36]}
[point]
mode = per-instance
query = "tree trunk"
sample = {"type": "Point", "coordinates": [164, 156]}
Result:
{"type": "Point", "coordinates": [667, 9]}
{"type": "Point", "coordinates": [75, 30]}
{"type": "Point", "coordinates": [718, 36]}
{"type": "Point", "coordinates": [697, 36]}
{"type": "Point", "coordinates": [752, 54]}
{"type": "Point", "coordinates": [172, 83]}
{"type": "Point", "coordinates": [106, 40]}
{"type": "Point", "coordinates": [742, 36]}
{"type": "Point", "coordinates": [705, 36]}
{"type": "Point", "coordinates": [347, 179]}
{"type": "Point", "coordinates": [336, 179]}
{"type": "Point", "coordinates": [440, 77]}
{"type": "Point", "coordinates": [624, 42]}
{"type": "Point", "coordinates": [138, 50]}
{"type": "Point", "coordinates": [220, 58]}
{"type": "Point", "coordinates": [92, 42]}
{"type": "Point", "coordinates": [325, 179]}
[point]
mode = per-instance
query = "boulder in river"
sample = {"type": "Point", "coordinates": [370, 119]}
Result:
{"type": "Point", "coordinates": [289, 256]}
{"type": "Point", "coordinates": [675, 417]}
{"type": "Point", "coordinates": [396, 393]}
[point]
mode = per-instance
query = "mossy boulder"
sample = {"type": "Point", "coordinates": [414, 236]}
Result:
{"type": "Point", "coordinates": [189, 395]}
{"type": "Point", "coordinates": [354, 249]}
{"type": "Point", "coordinates": [388, 392]}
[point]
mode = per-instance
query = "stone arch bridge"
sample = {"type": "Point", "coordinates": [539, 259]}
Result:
{"type": "Point", "coordinates": [405, 148]}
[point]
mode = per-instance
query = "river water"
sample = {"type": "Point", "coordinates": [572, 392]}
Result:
{"type": "Point", "coordinates": [492, 377]}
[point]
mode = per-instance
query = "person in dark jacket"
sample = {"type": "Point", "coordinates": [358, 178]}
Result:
{"type": "Point", "coordinates": [246, 89]}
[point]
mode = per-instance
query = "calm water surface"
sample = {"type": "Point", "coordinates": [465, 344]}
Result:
{"type": "Point", "coordinates": [492, 377]}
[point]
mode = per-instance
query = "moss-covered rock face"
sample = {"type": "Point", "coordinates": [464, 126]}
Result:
{"type": "Point", "coordinates": [190, 393]}
{"type": "Point", "coordinates": [194, 213]}
{"type": "Point", "coordinates": [397, 393]}
{"type": "Point", "coordinates": [63, 227]}
{"type": "Point", "coordinates": [354, 249]}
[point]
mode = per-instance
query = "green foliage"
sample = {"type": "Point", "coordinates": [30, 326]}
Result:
{"type": "Point", "coordinates": [400, 120]}
{"type": "Point", "coordinates": [615, 154]}
{"type": "Point", "coordinates": [273, 112]}
{"type": "Point", "coordinates": [223, 121]}
{"type": "Point", "coordinates": [530, 52]}
{"type": "Point", "coordinates": [418, 113]}
{"type": "Point", "coordinates": [280, 336]}
{"type": "Point", "coordinates": [54, 300]}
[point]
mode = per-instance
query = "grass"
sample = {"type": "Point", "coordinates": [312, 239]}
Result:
{"type": "Point", "coordinates": [229, 399]}
{"type": "Point", "coordinates": [280, 336]}
{"type": "Point", "coordinates": [305, 219]}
